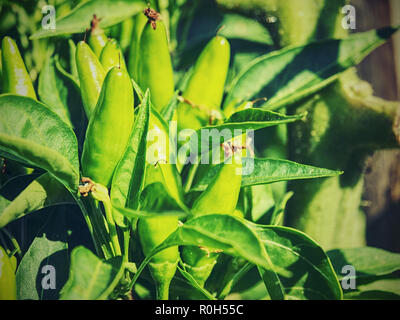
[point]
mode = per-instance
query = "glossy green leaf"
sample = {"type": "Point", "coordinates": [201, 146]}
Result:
{"type": "Point", "coordinates": [222, 232]}
{"type": "Point", "coordinates": [15, 185]}
{"type": "Point", "coordinates": [268, 171]}
{"type": "Point", "coordinates": [235, 26]}
{"type": "Point", "coordinates": [129, 174]}
{"type": "Point", "coordinates": [237, 124]}
{"type": "Point", "coordinates": [34, 135]}
{"type": "Point", "coordinates": [43, 192]}
{"type": "Point", "coordinates": [32, 272]}
{"type": "Point", "coordinates": [386, 289]}
{"type": "Point", "coordinates": [194, 284]}
{"type": "Point", "coordinates": [255, 119]}
{"type": "Point", "coordinates": [59, 91]}
{"type": "Point", "coordinates": [291, 74]}
{"type": "Point", "coordinates": [136, 214]}
{"type": "Point", "coordinates": [155, 198]}
{"type": "Point", "coordinates": [313, 276]}
{"type": "Point", "coordinates": [91, 278]}
{"type": "Point", "coordinates": [232, 26]}
{"type": "Point", "coordinates": [368, 262]}
{"type": "Point", "coordinates": [279, 210]}
{"type": "Point", "coordinates": [109, 11]}
{"type": "Point", "coordinates": [50, 91]}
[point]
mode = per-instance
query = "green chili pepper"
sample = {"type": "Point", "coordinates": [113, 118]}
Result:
{"type": "Point", "coordinates": [152, 232]}
{"type": "Point", "coordinates": [155, 66]}
{"type": "Point", "coordinates": [15, 78]}
{"type": "Point", "coordinates": [139, 21]}
{"type": "Point", "coordinates": [8, 287]}
{"type": "Point", "coordinates": [97, 38]}
{"type": "Point", "coordinates": [112, 56]}
{"type": "Point", "coordinates": [109, 127]}
{"type": "Point", "coordinates": [205, 88]}
{"type": "Point", "coordinates": [221, 196]}
{"type": "Point", "coordinates": [222, 193]}
{"type": "Point", "coordinates": [91, 76]}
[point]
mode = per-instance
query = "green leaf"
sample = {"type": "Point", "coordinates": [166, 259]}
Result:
{"type": "Point", "coordinates": [4, 202]}
{"type": "Point", "coordinates": [313, 276]}
{"type": "Point", "coordinates": [32, 272]}
{"type": "Point", "coordinates": [237, 124]}
{"type": "Point", "coordinates": [91, 278]}
{"type": "Point", "coordinates": [222, 232]}
{"type": "Point", "coordinates": [279, 210]}
{"type": "Point", "coordinates": [15, 185]}
{"type": "Point", "coordinates": [155, 198]}
{"type": "Point", "coordinates": [60, 92]}
{"type": "Point", "coordinates": [255, 119]}
{"type": "Point", "coordinates": [109, 11]}
{"type": "Point", "coordinates": [38, 138]}
{"type": "Point", "coordinates": [136, 214]}
{"type": "Point", "coordinates": [291, 74]}
{"type": "Point", "coordinates": [129, 175]}
{"type": "Point", "coordinates": [194, 284]}
{"type": "Point", "coordinates": [43, 192]}
{"type": "Point", "coordinates": [386, 289]}
{"type": "Point", "coordinates": [34, 135]}
{"type": "Point", "coordinates": [236, 26]}
{"type": "Point", "coordinates": [268, 171]}
{"type": "Point", "coordinates": [368, 262]}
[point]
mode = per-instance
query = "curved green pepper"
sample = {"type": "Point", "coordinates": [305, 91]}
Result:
{"type": "Point", "coordinates": [112, 56]}
{"type": "Point", "coordinates": [97, 38]}
{"type": "Point", "coordinates": [15, 78]}
{"type": "Point", "coordinates": [109, 127]}
{"type": "Point", "coordinates": [152, 232]}
{"type": "Point", "coordinates": [204, 91]}
{"type": "Point", "coordinates": [221, 196]}
{"type": "Point", "coordinates": [139, 21]}
{"type": "Point", "coordinates": [91, 76]}
{"type": "Point", "coordinates": [155, 66]}
{"type": "Point", "coordinates": [8, 287]}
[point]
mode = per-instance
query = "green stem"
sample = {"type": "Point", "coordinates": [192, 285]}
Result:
{"type": "Point", "coordinates": [162, 291]}
{"type": "Point", "coordinates": [190, 177]}
{"type": "Point", "coordinates": [126, 235]}
{"type": "Point", "coordinates": [111, 225]}
{"type": "Point", "coordinates": [89, 224]}
{"type": "Point", "coordinates": [101, 229]}
{"type": "Point", "coordinates": [13, 241]}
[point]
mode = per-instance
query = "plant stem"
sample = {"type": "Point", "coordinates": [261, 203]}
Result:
{"type": "Point", "coordinates": [162, 291]}
{"type": "Point", "coordinates": [101, 226]}
{"type": "Point", "coordinates": [13, 241]}
{"type": "Point", "coordinates": [190, 177]}
{"type": "Point", "coordinates": [101, 229]}
{"type": "Point", "coordinates": [89, 224]}
{"type": "Point", "coordinates": [112, 227]}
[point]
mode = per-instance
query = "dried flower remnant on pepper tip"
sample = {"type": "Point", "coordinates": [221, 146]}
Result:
{"type": "Point", "coordinates": [86, 186]}
{"type": "Point", "coordinates": [94, 24]}
{"type": "Point", "coordinates": [153, 16]}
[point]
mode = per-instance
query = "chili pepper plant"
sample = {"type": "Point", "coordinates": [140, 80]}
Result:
{"type": "Point", "coordinates": [188, 150]}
